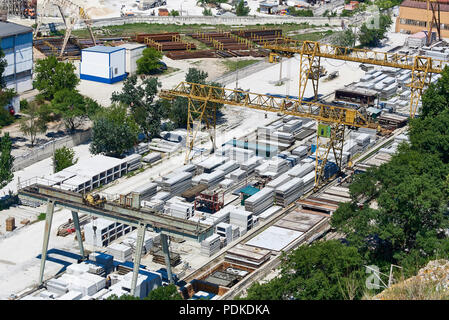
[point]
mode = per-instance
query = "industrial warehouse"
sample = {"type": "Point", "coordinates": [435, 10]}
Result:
{"type": "Point", "coordinates": [271, 140]}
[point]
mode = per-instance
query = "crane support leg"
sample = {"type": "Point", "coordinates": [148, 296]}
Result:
{"type": "Point", "coordinates": [194, 117]}
{"type": "Point", "coordinates": [420, 80]}
{"type": "Point", "coordinates": [309, 68]}
{"type": "Point", "coordinates": [68, 32]}
{"type": "Point", "coordinates": [138, 256]}
{"type": "Point", "coordinates": [166, 252]}
{"type": "Point", "coordinates": [39, 18]}
{"type": "Point", "coordinates": [329, 137]}
{"type": "Point", "coordinates": [76, 222]}
{"type": "Point", "coordinates": [47, 230]}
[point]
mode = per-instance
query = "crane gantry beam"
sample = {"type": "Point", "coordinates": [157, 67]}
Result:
{"type": "Point", "coordinates": [311, 51]}
{"type": "Point", "coordinates": [202, 100]}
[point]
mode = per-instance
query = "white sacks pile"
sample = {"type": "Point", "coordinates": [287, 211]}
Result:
{"type": "Point", "coordinates": [210, 246]}
{"type": "Point", "coordinates": [289, 192]}
{"type": "Point", "coordinates": [260, 201]}
{"type": "Point", "coordinates": [120, 252]}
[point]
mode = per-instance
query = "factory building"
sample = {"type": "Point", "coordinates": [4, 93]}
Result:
{"type": "Point", "coordinates": [413, 17]}
{"type": "Point", "coordinates": [16, 42]}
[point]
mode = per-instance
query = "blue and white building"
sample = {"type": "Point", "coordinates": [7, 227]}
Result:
{"type": "Point", "coordinates": [103, 64]}
{"type": "Point", "coordinates": [16, 42]}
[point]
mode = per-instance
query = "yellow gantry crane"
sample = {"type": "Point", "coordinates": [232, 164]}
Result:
{"type": "Point", "coordinates": [202, 100]}
{"type": "Point", "coordinates": [311, 53]}
{"type": "Point", "coordinates": [332, 120]}
{"type": "Point", "coordinates": [75, 13]}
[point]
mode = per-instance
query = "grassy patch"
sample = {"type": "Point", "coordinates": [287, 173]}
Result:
{"type": "Point", "coordinates": [169, 70]}
{"type": "Point", "coordinates": [313, 36]}
{"type": "Point", "coordinates": [239, 64]}
{"type": "Point", "coordinates": [133, 28]}
{"type": "Point", "coordinates": [41, 216]}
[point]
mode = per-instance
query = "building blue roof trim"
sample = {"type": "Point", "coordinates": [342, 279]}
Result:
{"type": "Point", "coordinates": [103, 49]}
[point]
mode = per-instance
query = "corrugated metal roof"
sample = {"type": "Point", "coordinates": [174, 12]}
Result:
{"type": "Point", "coordinates": [8, 29]}
{"type": "Point", "coordinates": [444, 6]}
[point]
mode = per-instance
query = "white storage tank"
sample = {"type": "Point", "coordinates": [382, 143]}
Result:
{"type": "Point", "coordinates": [103, 64]}
{"type": "Point", "coordinates": [134, 51]}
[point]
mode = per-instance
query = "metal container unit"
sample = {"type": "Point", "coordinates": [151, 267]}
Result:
{"type": "Point", "coordinates": [103, 64]}
{"type": "Point", "coordinates": [134, 51]}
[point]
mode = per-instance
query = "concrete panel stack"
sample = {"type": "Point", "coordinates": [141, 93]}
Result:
{"type": "Point", "coordinates": [237, 175]}
{"type": "Point", "coordinates": [155, 204]}
{"type": "Point", "coordinates": [179, 208]}
{"type": "Point", "coordinates": [186, 168]}
{"type": "Point", "coordinates": [161, 196]}
{"type": "Point", "coordinates": [301, 170]}
{"type": "Point", "coordinates": [57, 286]}
{"type": "Point", "coordinates": [133, 161]}
{"type": "Point", "coordinates": [292, 126]}
{"type": "Point", "coordinates": [224, 230]}
{"type": "Point", "coordinates": [241, 218]}
{"type": "Point", "coordinates": [260, 201]}
{"type": "Point", "coordinates": [146, 191]}
{"type": "Point", "coordinates": [228, 166]}
{"type": "Point", "coordinates": [71, 295]}
{"type": "Point", "coordinates": [289, 192]}
{"type": "Point", "coordinates": [211, 163]}
{"type": "Point", "coordinates": [300, 151]}
{"type": "Point", "coordinates": [269, 213]}
{"type": "Point", "coordinates": [273, 168]}
{"type": "Point", "coordinates": [226, 183]}
{"type": "Point", "coordinates": [177, 184]}
{"type": "Point", "coordinates": [309, 181]}
{"type": "Point", "coordinates": [120, 252]}
{"type": "Point", "coordinates": [363, 140]}
{"type": "Point", "coordinates": [152, 157]}
{"type": "Point", "coordinates": [213, 178]}
{"type": "Point", "coordinates": [283, 178]}
{"type": "Point", "coordinates": [237, 154]}
{"type": "Point", "coordinates": [235, 232]}
{"type": "Point", "coordinates": [250, 164]}
{"type": "Point", "coordinates": [210, 245]}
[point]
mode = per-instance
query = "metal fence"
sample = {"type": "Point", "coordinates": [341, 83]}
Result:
{"type": "Point", "coordinates": [46, 150]}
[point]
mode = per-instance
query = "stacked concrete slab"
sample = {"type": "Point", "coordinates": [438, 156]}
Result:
{"type": "Point", "coordinates": [289, 192]}
{"type": "Point", "coordinates": [177, 183]}
{"type": "Point", "coordinates": [210, 245]}
{"type": "Point", "coordinates": [260, 201]}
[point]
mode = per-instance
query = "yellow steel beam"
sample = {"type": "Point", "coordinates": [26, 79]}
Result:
{"type": "Point", "coordinates": [312, 110]}
{"type": "Point", "coordinates": [386, 59]}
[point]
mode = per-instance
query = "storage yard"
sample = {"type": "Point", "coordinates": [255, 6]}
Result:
{"type": "Point", "coordinates": [211, 223]}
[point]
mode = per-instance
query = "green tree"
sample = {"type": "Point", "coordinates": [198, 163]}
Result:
{"type": "Point", "coordinates": [345, 39]}
{"type": "Point", "coordinates": [3, 64]}
{"type": "Point", "coordinates": [169, 292]}
{"type": "Point", "coordinates": [52, 76]}
{"type": "Point", "coordinates": [436, 98]}
{"type": "Point", "coordinates": [113, 131]}
{"type": "Point", "coordinates": [72, 107]}
{"type": "Point", "coordinates": [149, 63]}
{"type": "Point", "coordinates": [325, 270]}
{"type": "Point", "coordinates": [241, 9]}
{"type": "Point", "coordinates": [300, 12]}
{"type": "Point", "coordinates": [174, 13]}
{"type": "Point", "coordinates": [63, 158]}
{"type": "Point", "coordinates": [147, 113]}
{"type": "Point", "coordinates": [6, 160]}
{"type": "Point", "coordinates": [207, 12]}
{"type": "Point", "coordinates": [34, 122]}
{"type": "Point", "coordinates": [370, 36]}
